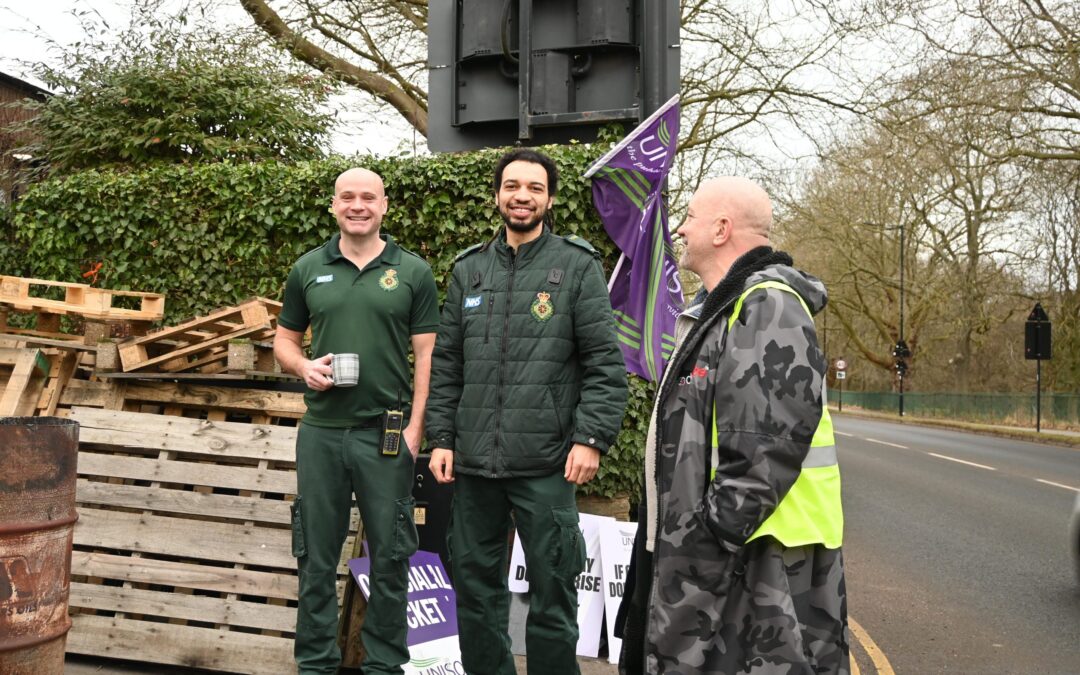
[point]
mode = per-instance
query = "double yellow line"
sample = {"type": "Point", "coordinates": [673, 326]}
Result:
{"type": "Point", "coordinates": [877, 657]}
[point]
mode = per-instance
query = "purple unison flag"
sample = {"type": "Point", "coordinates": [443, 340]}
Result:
{"type": "Point", "coordinates": [646, 294]}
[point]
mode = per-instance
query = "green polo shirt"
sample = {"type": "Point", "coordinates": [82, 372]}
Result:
{"type": "Point", "coordinates": [372, 312]}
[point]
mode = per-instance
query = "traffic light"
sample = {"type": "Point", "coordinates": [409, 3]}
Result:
{"type": "Point", "coordinates": [590, 63]}
{"type": "Point", "coordinates": [900, 350]}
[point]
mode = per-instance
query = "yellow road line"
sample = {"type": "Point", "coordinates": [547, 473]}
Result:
{"type": "Point", "coordinates": [877, 657]}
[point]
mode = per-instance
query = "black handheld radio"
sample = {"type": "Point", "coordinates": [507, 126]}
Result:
{"type": "Point", "coordinates": [392, 423]}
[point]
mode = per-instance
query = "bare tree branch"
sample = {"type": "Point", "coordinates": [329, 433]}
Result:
{"type": "Point", "coordinates": [412, 108]}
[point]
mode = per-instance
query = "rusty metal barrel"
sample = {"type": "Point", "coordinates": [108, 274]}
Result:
{"type": "Point", "coordinates": [38, 456]}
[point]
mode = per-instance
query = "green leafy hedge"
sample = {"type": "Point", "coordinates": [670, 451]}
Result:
{"type": "Point", "coordinates": [210, 235]}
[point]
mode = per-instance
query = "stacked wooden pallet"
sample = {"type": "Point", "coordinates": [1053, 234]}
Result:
{"type": "Point", "coordinates": [232, 339]}
{"type": "Point", "coordinates": [32, 378]}
{"type": "Point", "coordinates": [95, 309]}
{"type": "Point", "coordinates": [186, 471]}
{"type": "Point", "coordinates": [38, 357]}
{"type": "Point", "coordinates": [183, 545]}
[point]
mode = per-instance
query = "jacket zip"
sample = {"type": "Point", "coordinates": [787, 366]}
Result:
{"type": "Point", "coordinates": [491, 307]}
{"type": "Point", "coordinates": [502, 359]}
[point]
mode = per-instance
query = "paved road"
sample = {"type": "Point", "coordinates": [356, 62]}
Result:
{"type": "Point", "coordinates": [956, 550]}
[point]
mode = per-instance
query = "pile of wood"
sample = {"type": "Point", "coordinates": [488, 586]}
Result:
{"type": "Point", "coordinates": [182, 551]}
{"type": "Point", "coordinates": [234, 339]}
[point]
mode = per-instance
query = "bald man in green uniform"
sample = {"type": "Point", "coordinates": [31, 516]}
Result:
{"type": "Point", "coordinates": [359, 293]}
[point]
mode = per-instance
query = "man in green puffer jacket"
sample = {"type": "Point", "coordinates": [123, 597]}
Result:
{"type": "Point", "coordinates": [528, 391]}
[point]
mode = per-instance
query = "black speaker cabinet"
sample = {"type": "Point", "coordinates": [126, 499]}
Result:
{"type": "Point", "coordinates": [432, 510]}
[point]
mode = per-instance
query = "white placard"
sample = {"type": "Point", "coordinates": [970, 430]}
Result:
{"type": "Point", "coordinates": [589, 583]}
{"type": "Point", "coordinates": [518, 582]}
{"type": "Point", "coordinates": [616, 548]}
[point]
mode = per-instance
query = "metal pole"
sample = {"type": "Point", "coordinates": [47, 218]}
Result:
{"type": "Point", "coordinates": [825, 335]}
{"type": "Point", "coordinates": [841, 399]}
{"type": "Point", "coordinates": [655, 85]}
{"type": "Point", "coordinates": [902, 313]}
{"type": "Point", "coordinates": [524, 69]}
{"type": "Point", "coordinates": [1038, 395]}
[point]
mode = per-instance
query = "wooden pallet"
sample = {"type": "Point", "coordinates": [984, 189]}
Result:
{"type": "Point", "coordinates": [201, 343]}
{"type": "Point", "coordinates": [190, 400]}
{"type": "Point", "coordinates": [19, 293]}
{"type": "Point", "coordinates": [56, 363]}
{"type": "Point", "coordinates": [22, 379]}
{"type": "Point", "coordinates": [182, 551]}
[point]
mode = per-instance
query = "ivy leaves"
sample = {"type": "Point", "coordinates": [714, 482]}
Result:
{"type": "Point", "coordinates": [209, 235]}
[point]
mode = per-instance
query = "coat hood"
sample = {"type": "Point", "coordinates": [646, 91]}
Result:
{"type": "Point", "coordinates": [809, 287]}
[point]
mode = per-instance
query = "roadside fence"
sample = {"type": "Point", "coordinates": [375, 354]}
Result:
{"type": "Point", "coordinates": [1061, 410]}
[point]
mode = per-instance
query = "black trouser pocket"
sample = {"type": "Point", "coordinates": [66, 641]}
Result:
{"type": "Point", "coordinates": [568, 553]}
{"type": "Point", "coordinates": [299, 549]}
{"type": "Point", "coordinates": [406, 540]}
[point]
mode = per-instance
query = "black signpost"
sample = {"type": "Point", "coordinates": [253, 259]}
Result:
{"type": "Point", "coordinates": [1037, 348]}
{"type": "Point", "coordinates": [841, 375]}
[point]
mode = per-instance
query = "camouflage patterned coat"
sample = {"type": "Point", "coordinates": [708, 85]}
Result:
{"type": "Point", "coordinates": [718, 605]}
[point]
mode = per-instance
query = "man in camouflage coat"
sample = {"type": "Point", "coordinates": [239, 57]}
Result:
{"type": "Point", "coordinates": [737, 565]}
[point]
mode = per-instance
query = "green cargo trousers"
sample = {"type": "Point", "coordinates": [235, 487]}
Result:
{"type": "Point", "coordinates": [546, 517]}
{"type": "Point", "coordinates": [332, 465]}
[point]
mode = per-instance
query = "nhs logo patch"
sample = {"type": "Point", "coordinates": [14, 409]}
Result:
{"type": "Point", "coordinates": [473, 301]}
{"type": "Point", "coordinates": [324, 278]}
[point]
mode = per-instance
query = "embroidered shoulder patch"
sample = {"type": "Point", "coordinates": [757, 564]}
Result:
{"type": "Point", "coordinates": [389, 280]}
{"type": "Point", "coordinates": [542, 308]}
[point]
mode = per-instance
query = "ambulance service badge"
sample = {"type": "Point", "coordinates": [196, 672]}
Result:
{"type": "Point", "coordinates": [541, 307]}
{"type": "Point", "coordinates": [388, 281]}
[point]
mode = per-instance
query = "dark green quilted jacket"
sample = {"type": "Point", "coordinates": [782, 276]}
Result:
{"type": "Point", "coordinates": [526, 361]}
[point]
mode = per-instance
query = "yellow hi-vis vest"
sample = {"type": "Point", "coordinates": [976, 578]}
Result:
{"type": "Point", "coordinates": [810, 513]}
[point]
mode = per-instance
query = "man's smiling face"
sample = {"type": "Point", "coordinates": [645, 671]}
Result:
{"type": "Point", "coordinates": [523, 198]}
{"type": "Point", "coordinates": [359, 203]}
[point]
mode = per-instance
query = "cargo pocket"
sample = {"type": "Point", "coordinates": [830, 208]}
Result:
{"type": "Point", "coordinates": [568, 558]}
{"type": "Point", "coordinates": [299, 549]}
{"type": "Point", "coordinates": [406, 540]}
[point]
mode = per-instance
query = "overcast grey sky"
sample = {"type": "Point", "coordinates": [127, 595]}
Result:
{"type": "Point", "coordinates": [28, 26]}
